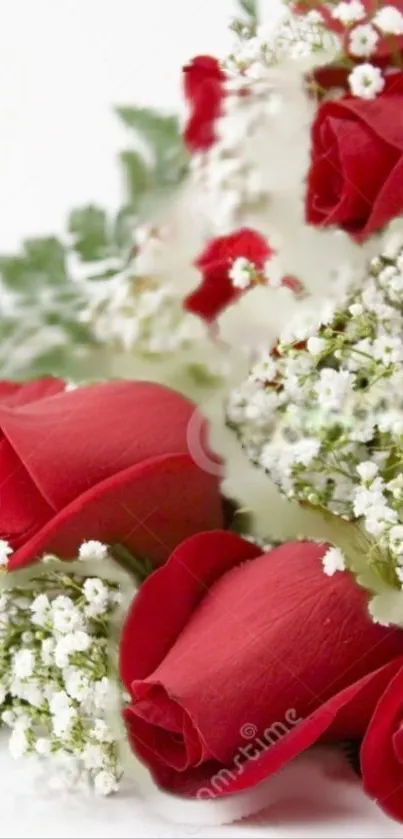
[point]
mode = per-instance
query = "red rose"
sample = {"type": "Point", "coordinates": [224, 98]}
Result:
{"type": "Point", "coordinates": [108, 462]}
{"type": "Point", "coordinates": [247, 650]}
{"type": "Point", "coordinates": [217, 289]}
{"type": "Point", "coordinates": [382, 750]}
{"type": "Point", "coordinates": [356, 175]}
{"type": "Point", "coordinates": [203, 82]}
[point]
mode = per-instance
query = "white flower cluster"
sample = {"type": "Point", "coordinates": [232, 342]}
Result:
{"type": "Point", "coordinates": [322, 413]}
{"type": "Point", "coordinates": [308, 42]}
{"type": "Point", "coordinates": [140, 315]}
{"type": "Point", "coordinates": [262, 120]}
{"type": "Point", "coordinates": [55, 675]}
{"type": "Point", "coordinates": [301, 39]}
{"type": "Point", "coordinates": [135, 311]}
{"type": "Point", "coordinates": [363, 34]}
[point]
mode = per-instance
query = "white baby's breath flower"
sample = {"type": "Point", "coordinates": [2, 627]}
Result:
{"type": "Point", "coordinates": [349, 12]}
{"type": "Point", "coordinates": [105, 783]}
{"type": "Point", "coordinates": [241, 272]}
{"type": "Point", "coordinates": [23, 664]}
{"type": "Point", "coordinates": [367, 470]}
{"type": "Point", "coordinates": [305, 451]}
{"type": "Point", "coordinates": [93, 550]}
{"type": "Point", "coordinates": [363, 40]}
{"type": "Point", "coordinates": [356, 309]}
{"type": "Point", "coordinates": [101, 732]}
{"type": "Point", "coordinates": [66, 617]}
{"type": "Point", "coordinates": [93, 756]}
{"type": "Point", "coordinates": [41, 611]}
{"type": "Point", "coordinates": [96, 593]}
{"type": "Point", "coordinates": [366, 81]}
{"type": "Point", "coordinates": [47, 651]}
{"type": "Point", "coordinates": [333, 560]}
{"type": "Point", "coordinates": [43, 746]}
{"type": "Point", "coordinates": [5, 552]}
{"type": "Point", "coordinates": [8, 717]}
{"type": "Point", "coordinates": [18, 742]}
{"type": "Point", "coordinates": [389, 20]}
{"type": "Point", "coordinates": [316, 345]}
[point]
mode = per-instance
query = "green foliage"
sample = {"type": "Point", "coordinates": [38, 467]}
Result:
{"type": "Point", "coordinates": [89, 228]}
{"type": "Point", "coordinates": [42, 261]}
{"type": "Point", "coordinates": [40, 298]}
{"type": "Point", "coordinates": [159, 160]}
{"type": "Point", "coordinates": [250, 8]}
{"type": "Point", "coordinates": [245, 25]}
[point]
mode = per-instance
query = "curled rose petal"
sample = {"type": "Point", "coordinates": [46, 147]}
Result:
{"type": "Point", "coordinates": [108, 462]}
{"type": "Point", "coordinates": [382, 750]}
{"type": "Point", "coordinates": [233, 626]}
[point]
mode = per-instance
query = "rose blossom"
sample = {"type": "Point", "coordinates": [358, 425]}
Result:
{"type": "Point", "coordinates": [356, 174]}
{"type": "Point", "coordinates": [237, 638]}
{"type": "Point", "coordinates": [108, 462]}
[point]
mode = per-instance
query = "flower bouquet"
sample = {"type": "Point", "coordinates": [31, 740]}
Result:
{"type": "Point", "coordinates": [206, 599]}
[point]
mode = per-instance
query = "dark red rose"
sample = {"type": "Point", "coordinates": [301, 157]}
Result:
{"type": "Point", "coordinates": [217, 290]}
{"type": "Point", "coordinates": [356, 175]}
{"type": "Point", "coordinates": [241, 649]}
{"type": "Point", "coordinates": [382, 750]}
{"type": "Point", "coordinates": [203, 81]}
{"type": "Point", "coordinates": [108, 462]}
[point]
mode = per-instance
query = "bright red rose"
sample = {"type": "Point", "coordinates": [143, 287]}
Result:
{"type": "Point", "coordinates": [382, 750]}
{"type": "Point", "coordinates": [249, 659]}
{"type": "Point", "coordinates": [203, 81]}
{"type": "Point", "coordinates": [217, 290]}
{"type": "Point", "coordinates": [356, 175]}
{"type": "Point", "coordinates": [108, 462]}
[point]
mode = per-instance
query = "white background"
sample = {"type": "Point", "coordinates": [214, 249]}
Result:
{"type": "Point", "coordinates": [63, 65]}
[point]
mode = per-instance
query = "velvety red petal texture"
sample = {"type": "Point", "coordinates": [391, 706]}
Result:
{"type": "Point", "coordinates": [94, 463]}
{"type": "Point", "coordinates": [203, 82]}
{"type": "Point", "coordinates": [356, 175]}
{"type": "Point", "coordinates": [16, 393]}
{"type": "Point", "coordinates": [230, 662]}
{"type": "Point", "coordinates": [76, 439]}
{"type": "Point", "coordinates": [217, 291]}
{"type": "Point", "coordinates": [382, 752]}
{"type": "Point", "coordinates": [150, 508]}
{"type": "Point", "coordinates": [211, 298]}
{"type": "Point", "coordinates": [23, 509]}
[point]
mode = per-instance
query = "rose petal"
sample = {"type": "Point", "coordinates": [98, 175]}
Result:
{"type": "Point", "coordinates": [242, 633]}
{"type": "Point", "coordinates": [346, 712]}
{"type": "Point", "coordinates": [150, 508]}
{"type": "Point", "coordinates": [382, 768]}
{"type": "Point", "coordinates": [77, 439]}
{"type": "Point", "coordinates": [177, 587]}
{"type": "Point", "coordinates": [13, 394]}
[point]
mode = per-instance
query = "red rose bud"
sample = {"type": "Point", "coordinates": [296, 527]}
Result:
{"type": "Point", "coordinates": [356, 174]}
{"type": "Point", "coordinates": [108, 462]}
{"type": "Point", "coordinates": [203, 81]}
{"type": "Point", "coordinates": [217, 290]}
{"type": "Point", "coordinates": [224, 668]}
